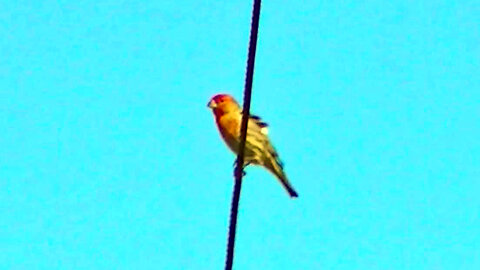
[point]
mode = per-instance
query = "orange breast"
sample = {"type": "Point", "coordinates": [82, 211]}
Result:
{"type": "Point", "coordinates": [229, 127]}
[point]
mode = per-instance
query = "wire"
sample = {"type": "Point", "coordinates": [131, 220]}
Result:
{"type": "Point", "coordinates": [241, 153]}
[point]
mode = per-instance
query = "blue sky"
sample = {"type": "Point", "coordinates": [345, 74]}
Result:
{"type": "Point", "coordinates": [111, 160]}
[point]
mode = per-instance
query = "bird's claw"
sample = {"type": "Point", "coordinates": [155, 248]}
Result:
{"type": "Point", "coordinates": [235, 173]}
{"type": "Point", "coordinates": [245, 163]}
{"type": "Point", "coordinates": [235, 165]}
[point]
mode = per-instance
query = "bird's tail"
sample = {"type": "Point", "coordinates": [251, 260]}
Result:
{"type": "Point", "coordinates": [275, 166]}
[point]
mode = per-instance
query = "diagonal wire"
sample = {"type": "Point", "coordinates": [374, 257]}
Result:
{"type": "Point", "coordinates": [241, 153]}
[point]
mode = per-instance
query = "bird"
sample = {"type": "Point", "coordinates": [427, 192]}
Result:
{"type": "Point", "coordinates": [258, 148]}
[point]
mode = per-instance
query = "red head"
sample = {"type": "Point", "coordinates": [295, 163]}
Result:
{"type": "Point", "coordinates": [223, 103]}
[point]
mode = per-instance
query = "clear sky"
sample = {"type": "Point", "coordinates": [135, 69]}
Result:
{"type": "Point", "coordinates": [110, 158]}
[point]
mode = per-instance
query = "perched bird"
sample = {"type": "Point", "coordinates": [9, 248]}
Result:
{"type": "Point", "coordinates": [258, 149]}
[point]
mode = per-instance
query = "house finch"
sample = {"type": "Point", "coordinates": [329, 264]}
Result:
{"type": "Point", "coordinates": [258, 149]}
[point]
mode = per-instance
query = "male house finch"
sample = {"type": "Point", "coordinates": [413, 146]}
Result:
{"type": "Point", "coordinates": [258, 149]}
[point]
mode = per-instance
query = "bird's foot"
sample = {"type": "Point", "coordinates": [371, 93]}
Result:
{"type": "Point", "coordinates": [242, 172]}
{"type": "Point", "coordinates": [245, 163]}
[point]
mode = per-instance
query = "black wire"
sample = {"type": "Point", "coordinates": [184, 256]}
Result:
{"type": "Point", "coordinates": [241, 153]}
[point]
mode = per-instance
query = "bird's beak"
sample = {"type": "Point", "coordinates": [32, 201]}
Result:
{"type": "Point", "coordinates": [212, 104]}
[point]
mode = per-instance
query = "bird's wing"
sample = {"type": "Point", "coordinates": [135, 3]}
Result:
{"type": "Point", "coordinates": [258, 141]}
{"type": "Point", "coordinates": [257, 121]}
